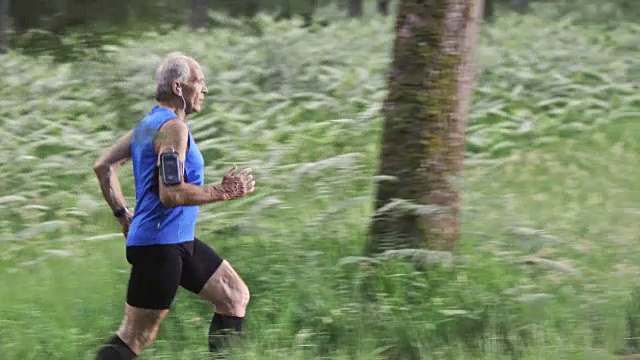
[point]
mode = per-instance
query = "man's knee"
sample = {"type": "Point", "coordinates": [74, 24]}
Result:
{"type": "Point", "coordinates": [227, 291]}
{"type": "Point", "coordinates": [241, 301]}
{"type": "Point", "coordinates": [236, 304]}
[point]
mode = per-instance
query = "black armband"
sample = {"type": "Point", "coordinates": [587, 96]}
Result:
{"type": "Point", "coordinates": [171, 168]}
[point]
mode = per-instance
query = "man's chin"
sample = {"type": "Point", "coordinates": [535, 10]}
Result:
{"type": "Point", "coordinates": [194, 109]}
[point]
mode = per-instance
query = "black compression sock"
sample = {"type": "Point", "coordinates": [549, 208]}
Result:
{"type": "Point", "coordinates": [115, 349]}
{"type": "Point", "coordinates": [221, 329]}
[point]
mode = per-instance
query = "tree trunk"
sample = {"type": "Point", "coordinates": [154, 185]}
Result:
{"type": "Point", "coordinates": [308, 12]}
{"type": "Point", "coordinates": [354, 8]}
{"type": "Point", "coordinates": [242, 8]}
{"type": "Point", "coordinates": [489, 10]}
{"type": "Point", "coordinates": [425, 112]}
{"type": "Point", "coordinates": [285, 11]}
{"type": "Point", "coordinates": [520, 6]}
{"type": "Point", "coordinates": [383, 7]}
{"type": "Point", "coordinates": [4, 26]}
{"type": "Point", "coordinates": [251, 8]}
{"type": "Point", "coordinates": [198, 16]}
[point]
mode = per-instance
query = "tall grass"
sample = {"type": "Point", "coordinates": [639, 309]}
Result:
{"type": "Point", "coordinates": [547, 257]}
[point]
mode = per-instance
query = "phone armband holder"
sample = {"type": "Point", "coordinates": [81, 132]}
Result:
{"type": "Point", "coordinates": [171, 168]}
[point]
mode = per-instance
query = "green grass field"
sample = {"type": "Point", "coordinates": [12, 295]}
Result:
{"type": "Point", "coordinates": [553, 155]}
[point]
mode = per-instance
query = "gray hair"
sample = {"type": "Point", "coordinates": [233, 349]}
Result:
{"type": "Point", "coordinates": [174, 67]}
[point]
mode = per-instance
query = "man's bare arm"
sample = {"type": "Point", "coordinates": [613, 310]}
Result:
{"type": "Point", "coordinates": [105, 169]}
{"type": "Point", "coordinates": [174, 135]}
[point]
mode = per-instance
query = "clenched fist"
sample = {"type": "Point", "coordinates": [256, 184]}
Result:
{"type": "Point", "coordinates": [125, 223]}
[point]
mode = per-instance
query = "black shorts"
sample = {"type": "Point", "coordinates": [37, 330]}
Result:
{"type": "Point", "coordinates": [158, 270]}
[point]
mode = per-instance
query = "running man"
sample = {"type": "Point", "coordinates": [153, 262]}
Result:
{"type": "Point", "coordinates": [161, 245]}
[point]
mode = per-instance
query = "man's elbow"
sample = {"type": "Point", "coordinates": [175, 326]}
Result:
{"type": "Point", "coordinates": [169, 199]}
{"type": "Point", "coordinates": [100, 168]}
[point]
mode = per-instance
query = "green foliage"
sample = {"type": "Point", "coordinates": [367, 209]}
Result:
{"type": "Point", "coordinates": [633, 322]}
{"type": "Point", "coordinates": [547, 257]}
{"type": "Point", "coordinates": [584, 11]}
{"type": "Point", "coordinates": [565, 81]}
{"type": "Point", "coordinates": [599, 11]}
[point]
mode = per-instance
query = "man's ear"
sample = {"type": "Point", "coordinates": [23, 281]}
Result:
{"type": "Point", "coordinates": [177, 88]}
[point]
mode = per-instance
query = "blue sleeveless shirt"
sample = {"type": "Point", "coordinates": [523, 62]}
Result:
{"type": "Point", "coordinates": [152, 222]}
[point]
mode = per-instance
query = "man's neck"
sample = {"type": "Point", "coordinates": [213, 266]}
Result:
{"type": "Point", "coordinates": [176, 110]}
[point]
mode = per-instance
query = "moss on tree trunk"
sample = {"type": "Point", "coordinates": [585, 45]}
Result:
{"type": "Point", "coordinates": [425, 114]}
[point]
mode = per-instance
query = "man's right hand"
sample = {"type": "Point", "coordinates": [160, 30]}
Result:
{"type": "Point", "coordinates": [236, 185]}
{"type": "Point", "coordinates": [125, 223]}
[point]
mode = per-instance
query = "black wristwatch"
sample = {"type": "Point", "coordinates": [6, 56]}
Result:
{"type": "Point", "coordinates": [120, 211]}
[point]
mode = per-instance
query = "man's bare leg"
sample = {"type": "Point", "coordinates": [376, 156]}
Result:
{"type": "Point", "coordinates": [226, 290]}
{"type": "Point", "coordinates": [137, 331]}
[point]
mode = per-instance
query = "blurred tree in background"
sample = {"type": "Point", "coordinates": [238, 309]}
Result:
{"type": "Point", "coordinates": [4, 26]}
{"type": "Point", "coordinates": [198, 15]}
{"type": "Point", "coordinates": [383, 7]}
{"type": "Point", "coordinates": [355, 8]}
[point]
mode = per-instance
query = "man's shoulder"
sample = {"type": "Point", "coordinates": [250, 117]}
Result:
{"type": "Point", "coordinates": [143, 132]}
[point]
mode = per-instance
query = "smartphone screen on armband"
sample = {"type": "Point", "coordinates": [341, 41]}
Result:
{"type": "Point", "coordinates": [171, 169]}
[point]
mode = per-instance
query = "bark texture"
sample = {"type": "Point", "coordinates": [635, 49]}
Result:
{"type": "Point", "coordinates": [423, 145]}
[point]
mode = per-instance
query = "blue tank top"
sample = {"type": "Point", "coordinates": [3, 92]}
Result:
{"type": "Point", "coordinates": [152, 222]}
